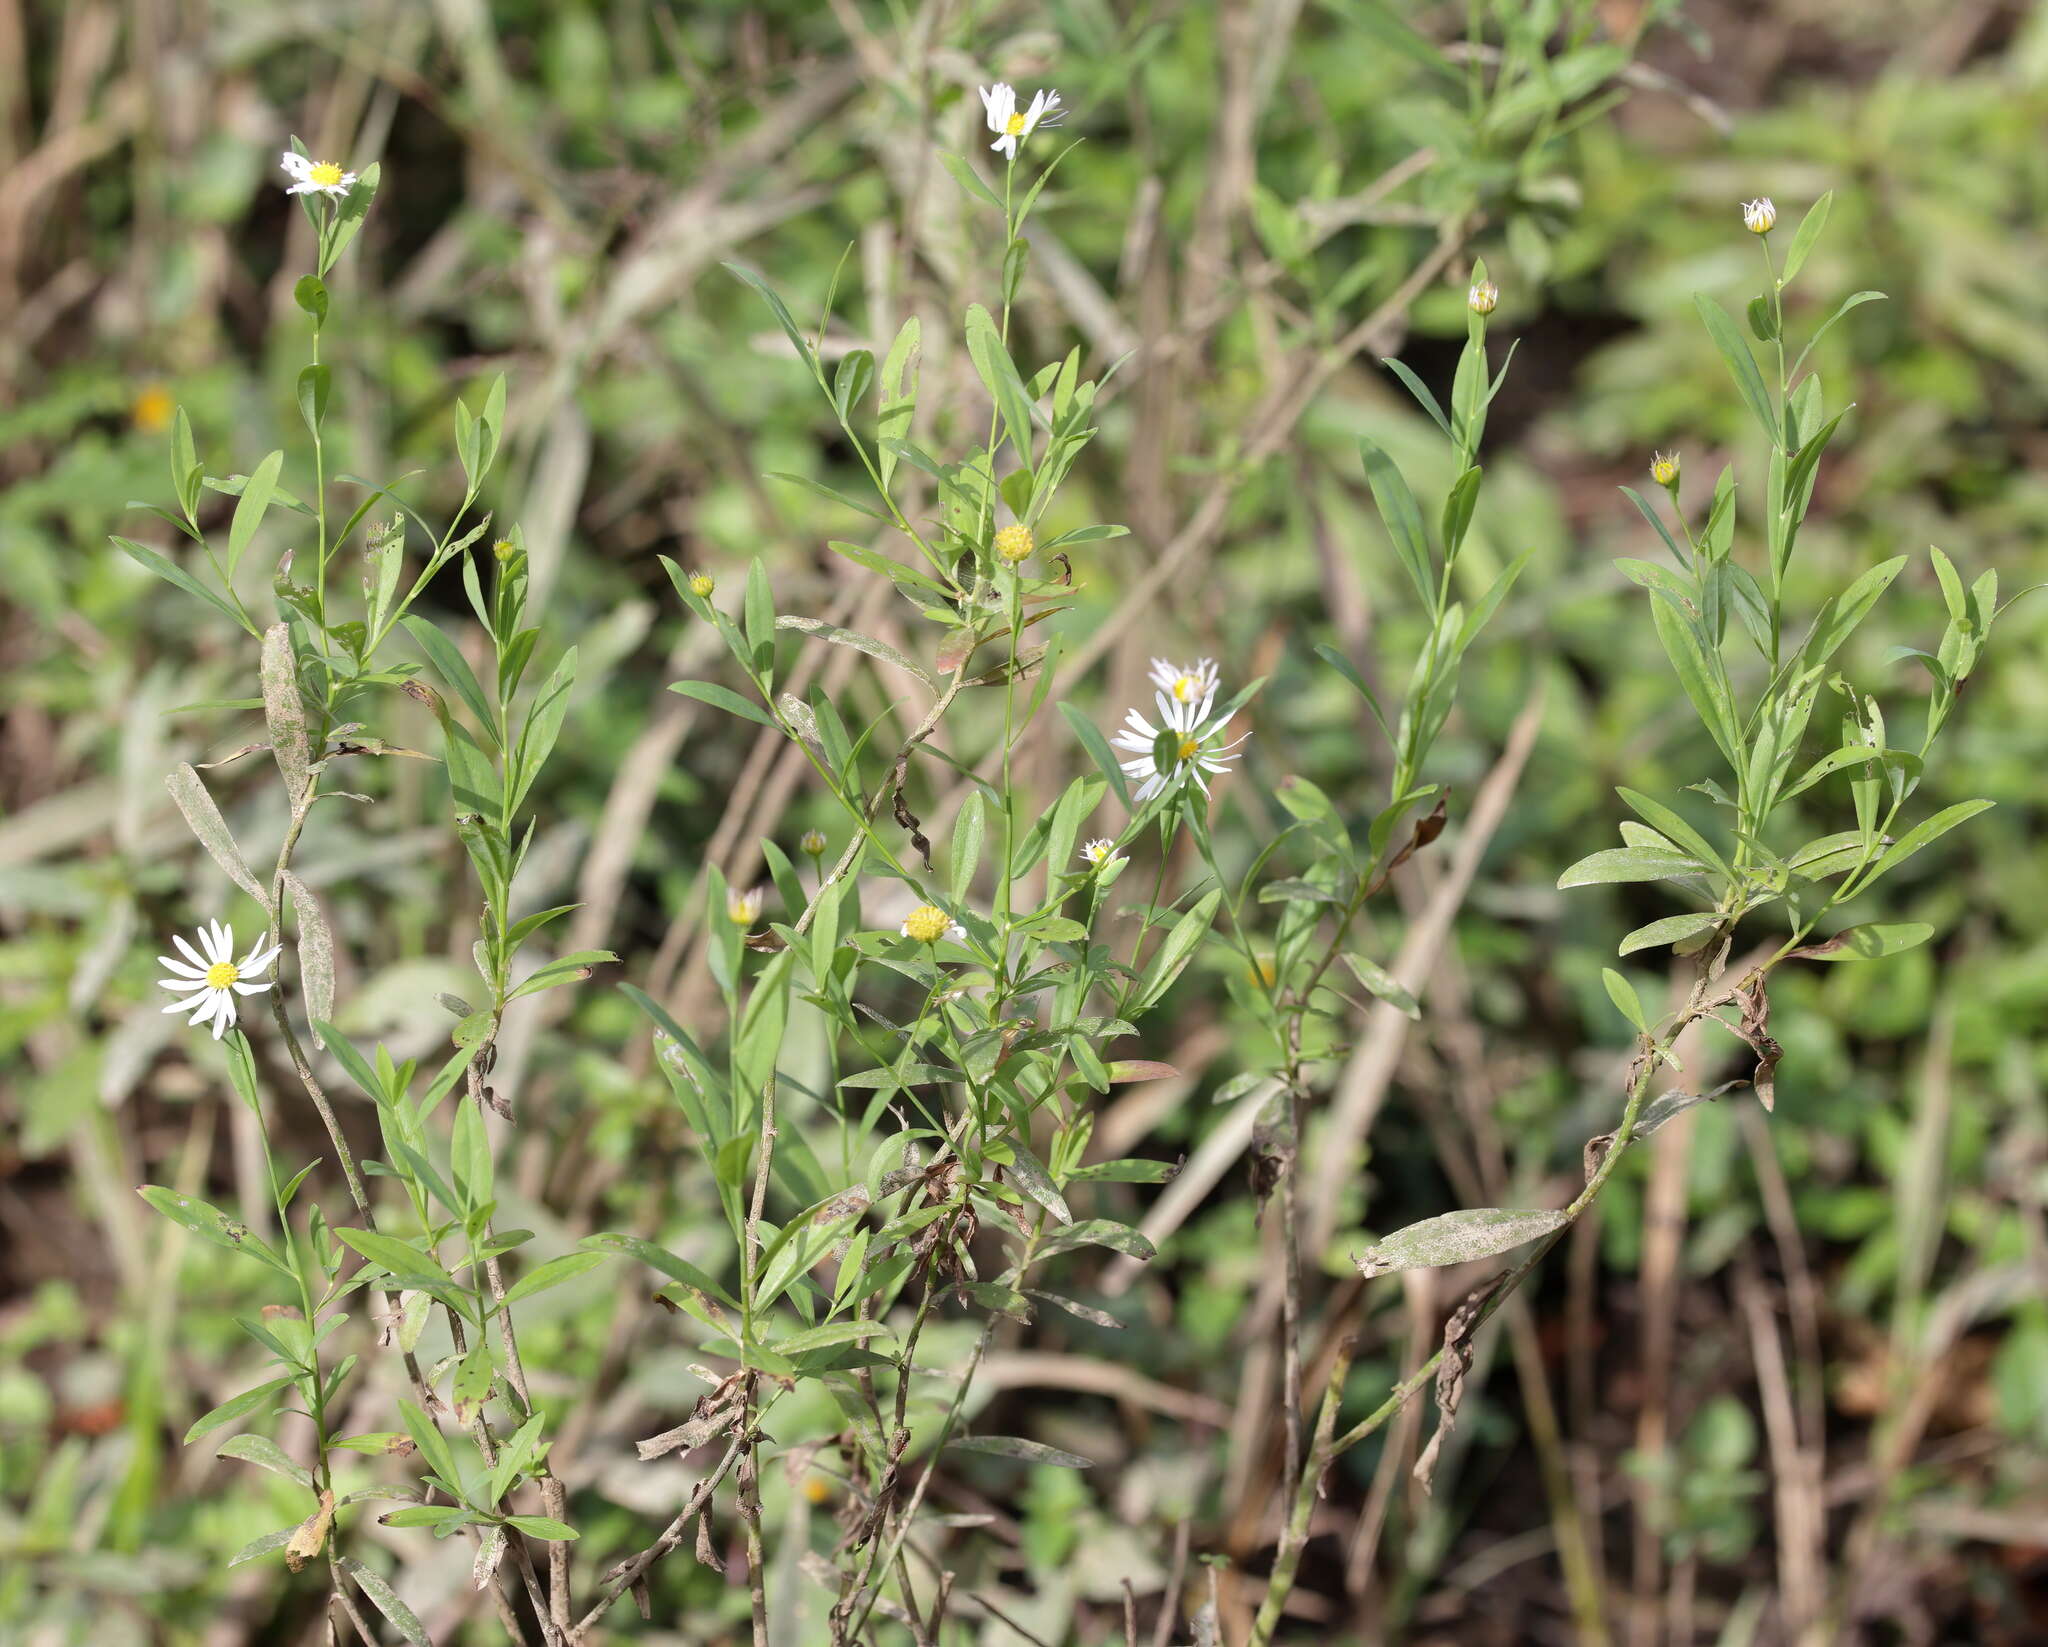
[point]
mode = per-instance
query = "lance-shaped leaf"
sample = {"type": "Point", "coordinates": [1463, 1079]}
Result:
{"type": "Point", "coordinates": [1015, 1446]}
{"type": "Point", "coordinates": [1404, 520]}
{"type": "Point", "coordinates": [316, 954]}
{"type": "Point", "coordinates": [1672, 929]}
{"type": "Point", "coordinates": [190, 794]}
{"type": "Point", "coordinates": [386, 1601]}
{"type": "Point", "coordinates": [285, 711]}
{"type": "Point", "coordinates": [1458, 1238]}
{"type": "Point", "coordinates": [266, 1454]}
{"type": "Point", "coordinates": [818, 628]}
{"type": "Point", "coordinates": [1866, 943]}
{"type": "Point", "coordinates": [1741, 364]}
{"type": "Point", "coordinates": [1629, 863]}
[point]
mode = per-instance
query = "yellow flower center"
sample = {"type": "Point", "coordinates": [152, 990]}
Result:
{"type": "Point", "coordinates": [1188, 745]}
{"type": "Point", "coordinates": [701, 584]}
{"type": "Point", "coordinates": [325, 174]}
{"type": "Point", "coordinates": [1014, 543]}
{"type": "Point", "coordinates": [221, 974]}
{"type": "Point", "coordinates": [1184, 688]}
{"type": "Point", "coordinates": [927, 923]}
{"type": "Point", "coordinates": [1014, 126]}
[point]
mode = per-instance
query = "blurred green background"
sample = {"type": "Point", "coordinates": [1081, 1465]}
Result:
{"type": "Point", "coordinates": [1801, 1354]}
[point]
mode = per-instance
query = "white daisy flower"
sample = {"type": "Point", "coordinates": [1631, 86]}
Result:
{"type": "Point", "coordinates": [1184, 708]}
{"type": "Point", "coordinates": [928, 923]}
{"type": "Point", "coordinates": [1759, 216]}
{"type": "Point", "coordinates": [1011, 127]}
{"type": "Point", "coordinates": [1187, 683]}
{"type": "Point", "coordinates": [317, 176]}
{"type": "Point", "coordinates": [209, 978]}
{"type": "Point", "coordinates": [1100, 853]}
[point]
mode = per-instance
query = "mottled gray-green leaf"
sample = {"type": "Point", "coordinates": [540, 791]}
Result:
{"type": "Point", "coordinates": [1015, 1446]}
{"type": "Point", "coordinates": [316, 954]}
{"type": "Point", "coordinates": [860, 643]}
{"type": "Point", "coordinates": [189, 791]}
{"type": "Point", "coordinates": [386, 1601]}
{"type": "Point", "coordinates": [1458, 1238]}
{"type": "Point", "coordinates": [285, 710]}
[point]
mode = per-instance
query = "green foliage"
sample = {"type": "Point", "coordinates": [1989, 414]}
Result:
{"type": "Point", "coordinates": [853, 1173]}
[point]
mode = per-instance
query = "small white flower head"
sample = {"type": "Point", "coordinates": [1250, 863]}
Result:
{"type": "Point", "coordinates": [1011, 126]}
{"type": "Point", "coordinates": [1186, 698]}
{"type": "Point", "coordinates": [209, 978]}
{"type": "Point", "coordinates": [1664, 469]}
{"type": "Point", "coordinates": [317, 176]}
{"type": "Point", "coordinates": [928, 923]}
{"type": "Point", "coordinates": [743, 909]}
{"type": "Point", "coordinates": [1100, 853]}
{"type": "Point", "coordinates": [1483, 298]}
{"type": "Point", "coordinates": [813, 843]}
{"type": "Point", "coordinates": [1185, 683]}
{"type": "Point", "coordinates": [1759, 216]}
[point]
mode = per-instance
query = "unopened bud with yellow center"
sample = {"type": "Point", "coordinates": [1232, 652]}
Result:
{"type": "Point", "coordinates": [743, 909]}
{"type": "Point", "coordinates": [1483, 298]}
{"type": "Point", "coordinates": [813, 842]}
{"type": "Point", "coordinates": [1759, 216]}
{"type": "Point", "coordinates": [1014, 543]}
{"type": "Point", "coordinates": [701, 584]}
{"type": "Point", "coordinates": [1664, 469]}
{"type": "Point", "coordinates": [505, 549]}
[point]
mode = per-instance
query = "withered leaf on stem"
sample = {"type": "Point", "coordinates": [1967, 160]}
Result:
{"type": "Point", "coordinates": [1451, 1371]}
{"type": "Point", "coordinates": [310, 1537]}
{"type": "Point", "coordinates": [1755, 1028]}
{"type": "Point", "coordinates": [1426, 830]}
{"type": "Point", "coordinates": [901, 808]}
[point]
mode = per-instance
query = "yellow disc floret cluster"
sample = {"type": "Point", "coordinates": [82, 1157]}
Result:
{"type": "Point", "coordinates": [927, 923]}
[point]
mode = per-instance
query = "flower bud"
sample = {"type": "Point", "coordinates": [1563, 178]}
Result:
{"type": "Point", "coordinates": [701, 584]}
{"type": "Point", "coordinates": [1759, 216]}
{"type": "Point", "coordinates": [813, 842]}
{"type": "Point", "coordinates": [1664, 469]}
{"type": "Point", "coordinates": [1014, 543]}
{"type": "Point", "coordinates": [1483, 297]}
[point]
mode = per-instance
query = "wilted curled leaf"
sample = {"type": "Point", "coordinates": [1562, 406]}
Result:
{"type": "Point", "coordinates": [1427, 829]}
{"type": "Point", "coordinates": [901, 808]}
{"type": "Point", "coordinates": [1450, 1371]}
{"type": "Point", "coordinates": [1458, 1238]}
{"type": "Point", "coordinates": [1662, 1108]}
{"type": "Point", "coordinates": [1755, 1028]}
{"type": "Point", "coordinates": [309, 1538]}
